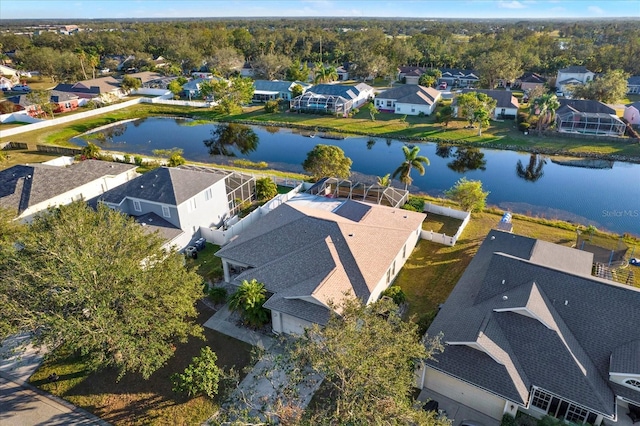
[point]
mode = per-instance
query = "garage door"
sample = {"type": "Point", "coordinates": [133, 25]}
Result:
{"type": "Point", "coordinates": [464, 393]}
{"type": "Point", "coordinates": [292, 325]}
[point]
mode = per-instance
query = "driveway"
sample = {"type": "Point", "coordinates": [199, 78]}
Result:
{"type": "Point", "coordinates": [24, 405]}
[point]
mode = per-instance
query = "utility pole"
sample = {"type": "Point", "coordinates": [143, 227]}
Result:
{"type": "Point", "coordinates": [321, 50]}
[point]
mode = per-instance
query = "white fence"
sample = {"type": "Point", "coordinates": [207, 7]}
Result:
{"type": "Point", "coordinates": [67, 119]}
{"type": "Point", "coordinates": [194, 104]}
{"type": "Point", "coordinates": [445, 211]}
{"type": "Point", "coordinates": [222, 237]}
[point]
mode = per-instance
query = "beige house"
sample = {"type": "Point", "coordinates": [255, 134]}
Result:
{"type": "Point", "coordinates": [313, 250]}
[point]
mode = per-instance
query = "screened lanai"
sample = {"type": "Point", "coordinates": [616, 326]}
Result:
{"type": "Point", "coordinates": [593, 123]}
{"type": "Point", "coordinates": [377, 194]}
{"type": "Point", "coordinates": [311, 102]}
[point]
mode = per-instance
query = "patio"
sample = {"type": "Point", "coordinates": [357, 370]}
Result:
{"type": "Point", "coordinates": [455, 411]}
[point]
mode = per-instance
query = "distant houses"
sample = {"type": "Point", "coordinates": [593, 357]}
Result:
{"type": "Point", "coordinates": [506, 104]}
{"type": "Point", "coordinates": [269, 90]}
{"type": "Point", "coordinates": [105, 87]}
{"type": "Point", "coordinates": [576, 74]}
{"type": "Point", "coordinates": [408, 99]}
{"type": "Point", "coordinates": [588, 117]}
{"type": "Point", "coordinates": [333, 98]}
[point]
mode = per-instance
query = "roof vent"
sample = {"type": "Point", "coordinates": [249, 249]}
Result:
{"type": "Point", "coordinates": [566, 302]}
{"type": "Point", "coordinates": [351, 235]}
{"type": "Point", "coordinates": [505, 297]}
{"type": "Point", "coordinates": [150, 219]}
{"type": "Point", "coordinates": [405, 216]}
{"type": "Point", "coordinates": [503, 281]}
{"type": "Point", "coordinates": [141, 186]}
{"type": "Point", "coordinates": [493, 237]}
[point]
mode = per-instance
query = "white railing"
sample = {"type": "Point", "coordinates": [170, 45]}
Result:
{"type": "Point", "coordinates": [221, 237]}
{"type": "Point", "coordinates": [437, 237]}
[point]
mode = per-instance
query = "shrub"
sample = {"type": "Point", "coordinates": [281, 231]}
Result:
{"type": "Point", "coordinates": [549, 421]}
{"type": "Point", "coordinates": [271, 106]}
{"type": "Point", "coordinates": [415, 204]}
{"type": "Point", "coordinates": [425, 321]}
{"type": "Point", "coordinates": [138, 160]}
{"type": "Point", "coordinates": [421, 114]}
{"type": "Point", "coordinates": [127, 158]}
{"type": "Point", "coordinates": [248, 164]}
{"type": "Point", "coordinates": [248, 300]}
{"type": "Point", "coordinates": [396, 294]}
{"type": "Point", "coordinates": [409, 207]}
{"type": "Point", "coordinates": [218, 295]}
{"type": "Point", "coordinates": [266, 189]}
{"type": "Point", "coordinates": [201, 377]}
{"type": "Point", "coordinates": [508, 420]}
{"type": "Point", "coordinates": [524, 127]}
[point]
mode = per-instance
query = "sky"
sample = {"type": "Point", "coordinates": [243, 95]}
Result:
{"type": "Point", "coordinates": [519, 9]}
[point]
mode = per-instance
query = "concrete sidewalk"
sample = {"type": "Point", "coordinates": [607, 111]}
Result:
{"type": "Point", "coordinates": [221, 322]}
{"type": "Point", "coordinates": [24, 405]}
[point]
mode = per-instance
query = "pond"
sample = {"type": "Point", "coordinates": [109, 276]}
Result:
{"type": "Point", "coordinates": [605, 194]}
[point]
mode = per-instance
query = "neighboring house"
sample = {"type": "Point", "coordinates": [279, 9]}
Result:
{"type": "Point", "coordinates": [410, 75]}
{"type": "Point", "coordinates": [573, 75]}
{"type": "Point", "coordinates": [178, 200]}
{"type": "Point", "coordinates": [632, 113]}
{"type": "Point", "coordinates": [9, 72]}
{"type": "Point", "coordinates": [6, 83]}
{"type": "Point", "coordinates": [588, 117]}
{"type": "Point", "coordinates": [148, 78]}
{"type": "Point", "coordinates": [333, 98]}
{"type": "Point", "coordinates": [247, 70]}
{"type": "Point", "coordinates": [29, 189]}
{"type": "Point", "coordinates": [633, 84]}
{"type": "Point", "coordinates": [343, 71]}
{"type": "Point", "coordinates": [103, 87]}
{"type": "Point", "coordinates": [408, 99]}
{"type": "Point", "coordinates": [65, 101]}
{"type": "Point", "coordinates": [160, 62]}
{"type": "Point", "coordinates": [456, 77]}
{"type": "Point", "coordinates": [191, 89]}
{"type": "Point", "coordinates": [529, 81]}
{"type": "Point", "coordinates": [527, 328]}
{"type": "Point", "coordinates": [312, 250]}
{"type": "Point", "coordinates": [269, 90]}
{"type": "Point", "coordinates": [506, 104]}
{"type": "Point", "coordinates": [22, 103]}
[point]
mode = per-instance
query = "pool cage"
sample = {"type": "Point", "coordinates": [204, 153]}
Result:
{"type": "Point", "coordinates": [375, 194]}
{"type": "Point", "coordinates": [311, 102]}
{"type": "Point", "coordinates": [590, 123]}
{"type": "Point", "coordinates": [240, 187]}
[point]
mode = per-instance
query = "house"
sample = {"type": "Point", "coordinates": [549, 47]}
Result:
{"type": "Point", "coordinates": [529, 81]}
{"type": "Point", "coordinates": [22, 103]}
{"type": "Point", "coordinates": [191, 89]}
{"type": "Point", "coordinates": [148, 78]}
{"type": "Point", "coordinates": [180, 200]}
{"type": "Point", "coordinates": [410, 74]}
{"type": "Point", "coordinates": [313, 250]}
{"type": "Point", "coordinates": [588, 117]}
{"type": "Point", "coordinates": [573, 75]}
{"type": "Point", "coordinates": [527, 328]}
{"type": "Point", "coordinates": [269, 90]}
{"type": "Point", "coordinates": [30, 188]}
{"type": "Point", "coordinates": [65, 101]}
{"type": "Point", "coordinates": [103, 87]}
{"type": "Point", "coordinates": [333, 98]}
{"type": "Point", "coordinates": [633, 84]}
{"type": "Point", "coordinates": [632, 113]}
{"type": "Point", "coordinates": [6, 83]}
{"type": "Point", "coordinates": [408, 99]}
{"type": "Point", "coordinates": [506, 104]}
{"type": "Point", "coordinates": [9, 72]}
{"type": "Point", "coordinates": [247, 70]}
{"type": "Point", "coordinates": [343, 71]}
{"type": "Point", "coordinates": [456, 77]}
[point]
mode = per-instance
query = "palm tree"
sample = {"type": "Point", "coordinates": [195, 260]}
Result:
{"type": "Point", "coordinates": [411, 160]}
{"type": "Point", "coordinates": [248, 300]}
{"type": "Point", "coordinates": [533, 171]}
{"type": "Point", "coordinates": [545, 108]}
{"type": "Point", "coordinates": [384, 180]}
{"type": "Point", "coordinates": [325, 74]}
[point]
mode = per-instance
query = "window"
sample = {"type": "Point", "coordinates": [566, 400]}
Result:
{"type": "Point", "coordinates": [136, 206]}
{"type": "Point", "coordinates": [404, 251]}
{"type": "Point", "coordinates": [389, 103]}
{"type": "Point", "coordinates": [388, 276]}
{"type": "Point", "coordinates": [413, 109]}
{"type": "Point", "coordinates": [393, 268]}
{"type": "Point", "coordinates": [633, 382]}
{"type": "Point", "coordinates": [540, 399]}
{"type": "Point", "coordinates": [191, 206]}
{"type": "Point", "coordinates": [207, 194]}
{"type": "Point", "coordinates": [576, 414]}
{"type": "Point", "coordinates": [165, 211]}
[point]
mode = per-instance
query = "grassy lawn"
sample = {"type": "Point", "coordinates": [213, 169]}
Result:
{"type": "Point", "coordinates": [208, 265]}
{"type": "Point", "coordinates": [441, 224]}
{"type": "Point", "coordinates": [433, 270]}
{"type": "Point", "coordinates": [135, 401]}
{"type": "Point", "coordinates": [20, 156]}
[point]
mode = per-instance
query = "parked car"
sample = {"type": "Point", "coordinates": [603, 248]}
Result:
{"type": "Point", "coordinates": [21, 88]}
{"type": "Point", "coordinates": [559, 93]}
{"type": "Point", "coordinates": [442, 85]}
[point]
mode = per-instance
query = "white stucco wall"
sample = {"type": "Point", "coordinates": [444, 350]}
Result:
{"type": "Point", "coordinates": [207, 212]}
{"type": "Point", "coordinates": [507, 111]}
{"type": "Point", "coordinates": [285, 323]}
{"type": "Point", "coordinates": [413, 109]}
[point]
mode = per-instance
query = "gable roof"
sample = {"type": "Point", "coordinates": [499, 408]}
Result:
{"type": "Point", "coordinates": [459, 73]}
{"type": "Point", "coordinates": [533, 322]}
{"type": "Point", "coordinates": [146, 76]}
{"type": "Point", "coordinates": [311, 255]}
{"type": "Point", "coordinates": [584, 105]}
{"type": "Point", "coordinates": [166, 185]}
{"type": "Point", "coordinates": [57, 96]}
{"type": "Point", "coordinates": [274, 85]}
{"type": "Point", "coordinates": [634, 80]}
{"type": "Point", "coordinates": [412, 94]}
{"type": "Point", "coordinates": [23, 186]}
{"type": "Point", "coordinates": [636, 105]}
{"type": "Point", "coordinates": [350, 92]}
{"type": "Point", "coordinates": [504, 98]}
{"type": "Point", "coordinates": [94, 86]}
{"type": "Point", "coordinates": [575, 69]}
{"type": "Point", "coordinates": [532, 77]}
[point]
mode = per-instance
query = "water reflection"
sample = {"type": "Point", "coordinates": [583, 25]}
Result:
{"type": "Point", "coordinates": [371, 143]}
{"type": "Point", "coordinates": [533, 171]}
{"type": "Point", "coordinates": [226, 137]}
{"type": "Point", "coordinates": [465, 159]}
{"type": "Point", "coordinates": [109, 133]}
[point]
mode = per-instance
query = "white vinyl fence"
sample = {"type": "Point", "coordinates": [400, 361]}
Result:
{"type": "Point", "coordinates": [445, 211]}
{"type": "Point", "coordinates": [222, 236]}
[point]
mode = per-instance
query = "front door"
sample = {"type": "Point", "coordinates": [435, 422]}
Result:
{"type": "Point", "coordinates": [558, 408]}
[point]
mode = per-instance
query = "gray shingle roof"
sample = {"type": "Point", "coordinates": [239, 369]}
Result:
{"type": "Point", "coordinates": [626, 358]}
{"type": "Point", "coordinates": [504, 98]}
{"type": "Point", "coordinates": [583, 105]}
{"type": "Point", "coordinates": [23, 186]}
{"type": "Point", "coordinates": [166, 185]}
{"type": "Point", "coordinates": [531, 77]}
{"type": "Point", "coordinates": [272, 86]}
{"type": "Point", "coordinates": [346, 91]}
{"type": "Point", "coordinates": [412, 94]}
{"type": "Point", "coordinates": [575, 69]}
{"type": "Point", "coordinates": [558, 329]}
{"type": "Point", "coordinates": [308, 252]}
{"type": "Point", "coordinates": [634, 80]}
{"type": "Point", "coordinates": [154, 223]}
